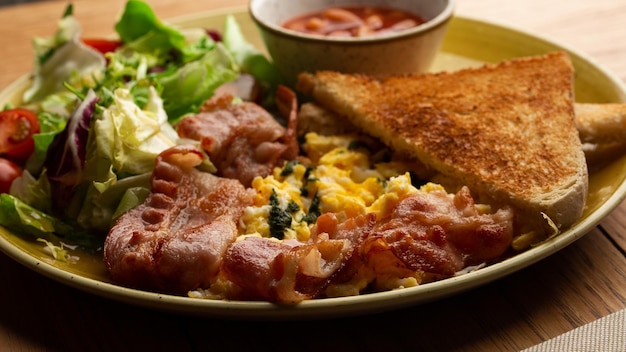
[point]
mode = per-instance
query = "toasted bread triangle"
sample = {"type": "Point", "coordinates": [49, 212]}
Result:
{"type": "Point", "coordinates": [505, 130]}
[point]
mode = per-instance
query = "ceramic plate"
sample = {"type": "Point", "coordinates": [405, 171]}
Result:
{"type": "Point", "coordinates": [468, 42]}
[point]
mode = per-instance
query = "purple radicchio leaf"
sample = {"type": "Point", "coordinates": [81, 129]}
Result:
{"type": "Point", "coordinates": [215, 35]}
{"type": "Point", "coordinates": [65, 158]}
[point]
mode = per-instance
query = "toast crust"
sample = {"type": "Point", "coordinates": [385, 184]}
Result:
{"type": "Point", "coordinates": [601, 123]}
{"type": "Point", "coordinates": [505, 130]}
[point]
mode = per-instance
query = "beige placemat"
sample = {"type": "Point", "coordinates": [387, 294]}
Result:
{"type": "Point", "coordinates": [607, 334]}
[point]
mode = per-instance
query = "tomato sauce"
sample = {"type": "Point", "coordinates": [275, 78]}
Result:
{"type": "Point", "coordinates": [354, 21]}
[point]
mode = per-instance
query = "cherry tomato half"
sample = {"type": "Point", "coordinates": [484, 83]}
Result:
{"type": "Point", "coordinates": [17, 127]}
{"type": "Point", "coordinates": [9, 171]}
{"type": "Point", "coordinates": [102, 45]}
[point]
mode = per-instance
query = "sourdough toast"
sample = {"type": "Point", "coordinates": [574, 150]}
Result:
{"type": "Point", "coordinates": [505, 130]}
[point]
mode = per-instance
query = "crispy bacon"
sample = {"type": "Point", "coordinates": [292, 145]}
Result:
{"type": "Point", "coordinates": [440, 235]}
{"type": "Point", "coordinates": [431, 235]}
{"type": "Point", "coordinates": [183, 237]}
{"type": "Point", "coordinates": [242, 139]}
{"type": "Point", "coordinates": [175, 241]}
{"type": "Point", "coordinates": [287, 271]}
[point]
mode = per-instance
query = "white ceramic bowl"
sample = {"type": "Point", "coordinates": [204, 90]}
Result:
{"type": "Point", "coordinates": [410, 50]}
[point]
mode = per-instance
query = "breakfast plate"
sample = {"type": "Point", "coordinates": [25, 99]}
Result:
{"type": "Point", "coordinates": [468, 42]}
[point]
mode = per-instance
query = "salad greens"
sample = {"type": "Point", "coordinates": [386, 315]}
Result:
{"type": "Point", "coordinates": [131, 137]}
{"type": "Point", "coordinates": [62, 58]}
{"type": "Point", "coordinates": [105, 117]}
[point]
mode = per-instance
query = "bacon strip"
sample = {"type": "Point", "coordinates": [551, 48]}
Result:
{"type": "Point", "coordinates": [440, 235]}
{"type": "Point", "coordinates": [286, 272]}
{"type": "Point", "coordinates": [242, 139]}
{"type": "Point", "coordinates": [431, 234]}
{"type": "Point", "coordinates": [175, 241]}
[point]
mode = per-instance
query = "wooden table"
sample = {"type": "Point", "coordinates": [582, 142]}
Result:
{"type": "Point", "coordinates": [578, 285]}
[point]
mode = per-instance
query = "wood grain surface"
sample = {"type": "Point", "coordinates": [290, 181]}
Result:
{"type": "Point", "coordinates": [581, 283]}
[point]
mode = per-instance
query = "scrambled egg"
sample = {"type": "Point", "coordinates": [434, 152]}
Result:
{"type": "Point", "coordinates": [345, 177]}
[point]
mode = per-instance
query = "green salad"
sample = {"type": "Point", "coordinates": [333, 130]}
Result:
{"type": "Point", "coordinates": [105, 108]}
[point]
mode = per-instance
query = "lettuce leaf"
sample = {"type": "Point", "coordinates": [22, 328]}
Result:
{"type": "Point", "coordinates": [140, 29]}
{"type": "Point", "coordinates": [24, 219]}
{"type": "Point", "coordinates": [63, 58]}
{"type": "Point", "coordinates": [107, 200]}
{"type": "Point", "coordinates": [247, 56]}
{"type": "Point", "coordinates": [186, 88]}
{"type": "Point", "coordinates": [51, 124]}
{"type": "Point", "coordinates": [20, 216]}
{"type": "Point", "coordinates": [186, 67]}
{"type": "Point", "coordinates": [35, 192]}
{"type": "Point", "coordinates": [131, 137]}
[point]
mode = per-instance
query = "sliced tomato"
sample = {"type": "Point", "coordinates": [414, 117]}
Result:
{"type": "Point", "coordinates": [102, 45]}
{"type": "Point", "coordinates": [9, 171]}
{"type": "Point", "coordinates": [17, 127]}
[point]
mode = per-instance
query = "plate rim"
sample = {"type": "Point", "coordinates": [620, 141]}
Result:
{"type": "Point", "coordinates": [327, 307]}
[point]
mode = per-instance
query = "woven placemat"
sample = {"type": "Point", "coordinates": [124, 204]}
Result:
{"type": "Point", "coordinates": [607, 334]}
